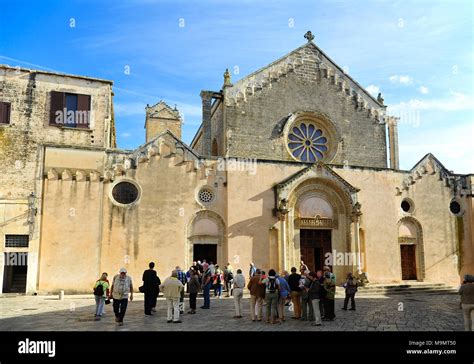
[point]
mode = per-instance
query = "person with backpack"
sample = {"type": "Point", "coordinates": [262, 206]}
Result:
{"type": "Point", "coordinates": [229, 279]}
{"type": "Point", "coordinates": [151, 288]}
{"type": "Point", "coordinates": [122, 287]}
{"type": "Point", "coordinates": [101, 292]}
{"type": "Point", "coordinates": [272, 287]}
{"type": "Point", "coordinates": [351, 289]}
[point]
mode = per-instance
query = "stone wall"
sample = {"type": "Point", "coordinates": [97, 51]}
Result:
{"type": "Point", "coordinates": [256, 124]}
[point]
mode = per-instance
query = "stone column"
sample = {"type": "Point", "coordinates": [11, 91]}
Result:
{"type": "Point", "coordinates": [206, 97]}
{"type": "Point", "coordinates": [393, 142]}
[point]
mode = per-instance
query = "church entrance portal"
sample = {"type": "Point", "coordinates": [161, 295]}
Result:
{"type": "Point", "coordinates": [205, 251]}
{"type": "Point", "coordinates": [314, 246]}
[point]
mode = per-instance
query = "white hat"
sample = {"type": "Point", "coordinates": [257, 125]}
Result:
{"type": "Point", "coordinates": [123, 270]}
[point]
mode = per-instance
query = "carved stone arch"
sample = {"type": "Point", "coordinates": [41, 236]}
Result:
{"type": "Point", "coordinates": [414, 236]}
{"type": "Point", "coordinates": [339, 225]}
{"type": "Point", "coordinates": [217, 236]}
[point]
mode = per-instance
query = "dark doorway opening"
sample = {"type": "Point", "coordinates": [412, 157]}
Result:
{"type": "Point", "coordinates": [14, 272]}
{"type": "Point", "coordinates": [408, 258]}
{"type": "Point", "coordinates": [314, 246]}
{"type": "Point", "coordinates": [205, 251]}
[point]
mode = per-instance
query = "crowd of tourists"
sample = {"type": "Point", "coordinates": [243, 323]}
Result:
{"type": "Point", "coordinates": [308, 295]}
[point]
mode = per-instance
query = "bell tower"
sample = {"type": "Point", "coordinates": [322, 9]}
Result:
{"type": "Point", "coordinates": [162, 117]}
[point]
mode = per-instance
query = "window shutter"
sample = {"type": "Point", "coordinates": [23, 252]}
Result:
{"type": "Point", "coordinates": [84, 107]}
{"type": "Point", "coordinates": [4, 113]}
{"type": "Point", "coordinates": [57, 104]}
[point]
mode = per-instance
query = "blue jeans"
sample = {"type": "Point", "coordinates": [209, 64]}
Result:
{"type": "Point", "coordinates": [218, 290]}
{"type": "Point", "coordinates": [206, 292]}
{"type": "Point", "coordinates": [99, 305]}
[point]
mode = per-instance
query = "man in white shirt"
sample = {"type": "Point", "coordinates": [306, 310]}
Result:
{"type": "Point", "coordinates": [121, 287]}
{"type": "Point", "coordinates": [239, 285]}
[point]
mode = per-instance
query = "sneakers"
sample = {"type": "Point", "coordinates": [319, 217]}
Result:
{"type": "Point", "coordinates": [177, 322]}
{"type": "Point", "coordinates": [96, 318]}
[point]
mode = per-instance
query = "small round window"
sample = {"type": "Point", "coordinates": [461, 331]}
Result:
{"type": "Point", "coordinates": [206, 195]}
{"type": "Point", "coordinates": [455, 207]}
{"type": "Point", "coordinates": [125, 193]}
{"type": "Point", "coordinates": [407, 205]}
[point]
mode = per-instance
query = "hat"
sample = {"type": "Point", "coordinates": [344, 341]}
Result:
{"type": "Point", "coordinates": [123, 270]}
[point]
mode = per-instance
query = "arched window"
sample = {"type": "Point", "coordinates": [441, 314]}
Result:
{"type": "Point", "coordinates": [215, 148]}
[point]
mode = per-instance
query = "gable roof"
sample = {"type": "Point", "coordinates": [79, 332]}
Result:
{"type": "Point", "coordinates": [162, 110]}
{"type": "Point", "coordinates": [289, 59]}
{"type": "Point", "coordinates": [317, 165]}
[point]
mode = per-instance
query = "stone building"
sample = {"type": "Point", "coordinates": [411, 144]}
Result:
{"type": "Point", "coordinates": [294, 161]}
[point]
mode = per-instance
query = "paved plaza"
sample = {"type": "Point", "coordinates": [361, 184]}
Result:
{"type": "Point", "coordinates": [410, 312]}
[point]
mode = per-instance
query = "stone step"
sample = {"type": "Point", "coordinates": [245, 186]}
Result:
{"type": "Point", "coordinates": [407, 288]}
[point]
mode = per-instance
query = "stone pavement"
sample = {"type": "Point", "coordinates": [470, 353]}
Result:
{"type": "Point", "coordinates": [411, 312]}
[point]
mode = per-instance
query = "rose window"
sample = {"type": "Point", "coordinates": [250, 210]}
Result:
{"type": "Point", "coordinates": [307, 142]}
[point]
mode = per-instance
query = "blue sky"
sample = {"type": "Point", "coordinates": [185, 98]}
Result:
{"type": "Point", "coordinates": [419, 54]}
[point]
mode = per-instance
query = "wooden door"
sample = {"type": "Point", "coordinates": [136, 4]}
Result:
{"type": "Point", "coordinates": [408, 258]}
{"type": "Point", "coordinates": [314, 244]}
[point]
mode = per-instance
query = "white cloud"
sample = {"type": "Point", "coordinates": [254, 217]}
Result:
{"type": "Point", "coordinates": [401, 79]}
{"type": "Point", "coordinates": [373, 90]}
{"type": "Point", "coordinates": [452, 145]}
{"type": "Point", "coordinates": [423, 89]}
{"type": "Point", "coordinates": [125, 135]}
{"type": "Point", "coordinates": [456, 102]}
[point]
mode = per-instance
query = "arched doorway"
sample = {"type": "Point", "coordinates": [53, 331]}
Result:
{"type": "Point", "coordinates": [206, 238]}
{"type": "Point", "coordinates": [315, 241]}
{"type": "Point", "coordinates": [410, 239]}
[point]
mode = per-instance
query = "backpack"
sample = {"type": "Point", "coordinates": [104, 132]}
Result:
{"type": "Point", "coordinates": [99, 290]}
{"type": "Point", "coordinates": [272, 285]}
{"type": "Point", "coordinates": [230, 276]}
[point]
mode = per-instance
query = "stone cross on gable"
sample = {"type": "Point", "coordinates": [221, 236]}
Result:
{"type": "Point", "coordinates": [309, 36]}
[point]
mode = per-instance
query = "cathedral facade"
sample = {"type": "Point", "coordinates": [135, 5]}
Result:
{"type": "Point", "coordinates": [295, 161]}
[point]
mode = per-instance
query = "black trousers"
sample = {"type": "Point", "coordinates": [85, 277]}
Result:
{"type": "Point", "coordinates": [150, 301]}
{"type": "Point", "coordinates": [329, 309]}
{"type": "Point", "coordinates": [120, 307]}
{"type": "Point", "coordinates": [346, 300]}
{"type": "Point", "coordinates": [192, 300]}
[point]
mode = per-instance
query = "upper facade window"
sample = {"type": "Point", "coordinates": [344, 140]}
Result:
{"type": "Point", "coordinates": [311, 137]}
{"type": "Point", "coordinates": [4, 112]}
{"type": "Point", "coordinates": [70, 110]}
{"type": "Point", "coordinates": [307, 142]}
